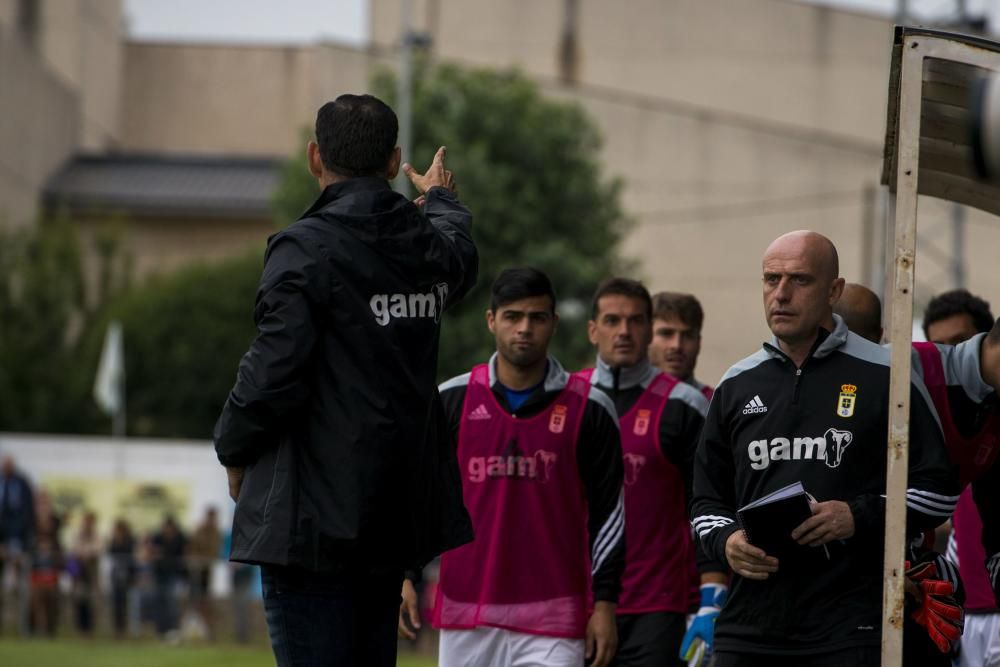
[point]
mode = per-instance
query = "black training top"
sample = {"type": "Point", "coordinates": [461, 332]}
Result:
{"type": "Point", "coordinates": [825, 424]}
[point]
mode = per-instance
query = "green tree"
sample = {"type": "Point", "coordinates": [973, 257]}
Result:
{"type": "Point", "coordinates": [527, 166]}
{"type": "Point", "coordinates": [45, 308]}
{"type": "Point", "coordinates": [184, 334]}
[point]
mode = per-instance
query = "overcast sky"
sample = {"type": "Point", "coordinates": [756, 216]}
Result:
{"type": "Point", "coordinates": [248, 20]}
{"type": "Point", "coordinates": [347, 20]}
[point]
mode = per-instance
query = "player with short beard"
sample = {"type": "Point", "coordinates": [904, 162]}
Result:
{"type": "Point", "coordinates": [541, 465]}
{"type": "Point", "coordinates": [661, 418]}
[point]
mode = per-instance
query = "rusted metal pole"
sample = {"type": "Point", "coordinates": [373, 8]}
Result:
{"type": "Point", "coordinates": [900, 333]}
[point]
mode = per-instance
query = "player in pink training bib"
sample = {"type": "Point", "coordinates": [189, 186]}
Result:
{"type": "Point", "coordinates": [661, 418]}
{"type": "Point", "coordinates": [676, 341]}
{"type": "Point", "coordinates": [541, 465]}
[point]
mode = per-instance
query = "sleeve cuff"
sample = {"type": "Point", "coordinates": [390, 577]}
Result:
{"type": "Point", "coordinates": [862, 514]}
{"type": "Point", "coordinates": [606, 594]}
{"type": "Point", "coordinates": [722, 538]}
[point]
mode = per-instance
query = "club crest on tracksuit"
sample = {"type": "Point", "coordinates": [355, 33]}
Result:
{"type": "Point", "coordinates": [845, 403]}
{"type": "Point", "coordinates": [642, 420]}
{"type": "Point", "coordinates": [557, 422]}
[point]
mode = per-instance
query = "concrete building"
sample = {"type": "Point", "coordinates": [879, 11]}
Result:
{"type": "Point", "coordinates": [729, 122]}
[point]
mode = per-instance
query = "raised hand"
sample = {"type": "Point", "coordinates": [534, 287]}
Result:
{"type": "Point", "coordinates": [436, 175]}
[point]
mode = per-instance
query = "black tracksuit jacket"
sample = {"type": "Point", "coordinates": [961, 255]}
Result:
{"type": "Point", "coordinates": [335, 413]}
{"type": "Point", "coordinates": [769, 425]}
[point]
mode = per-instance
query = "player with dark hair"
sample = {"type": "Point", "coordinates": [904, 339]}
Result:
{"type": "Point", "coordinates": [333, 435]}
{"type": "Point", "coordinates": [677, 322]}
{"type": "Point", "coordinates": [957, 379]}
{"type": "Point", "coordinates": [541, 465]}
{"type": "Point", "coordinates": [661, 418]}
{"type": "Point", "coordinates": [956, 316]}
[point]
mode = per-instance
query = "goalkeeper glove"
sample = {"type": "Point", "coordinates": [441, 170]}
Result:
{"type": "Point", "coordinates": [697, 645]}
{"type": "Point", "coordinates": [937, 609]}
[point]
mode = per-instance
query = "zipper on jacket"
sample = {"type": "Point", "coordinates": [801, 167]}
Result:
{"type": "Point", "coordinates": [798, 370]}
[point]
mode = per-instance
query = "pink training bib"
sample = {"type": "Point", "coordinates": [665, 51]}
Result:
{"type": "Point", "coordinates": [527, 569]}
{"type": "Point", "coordinates": [660, 570]}
{"type": "Point", "coordinates": [973, 456]}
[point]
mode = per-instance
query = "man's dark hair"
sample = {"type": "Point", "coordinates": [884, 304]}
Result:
{"type": "Point", "coordinates": [959, 302]}
{"type": "Point", "coordinates": [356, 135]}
{"type": "Point", "coordinates": [622, 287]}
{"type": "Point", "coordinates": [684, 307]}
{"type": "Point", "coordinates": [521, 282]}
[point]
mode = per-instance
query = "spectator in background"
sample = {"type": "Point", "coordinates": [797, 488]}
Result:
{"type": "Point", "coordinates": [46, 566]}
{"type": "Point", "coordinates": [48, 522]}
{"type": "Point", "coordinates": [242, 580]}
{"type": "Point", "coordinates": [47, 535]}
{"type": "Point", "coordinates": [143, 596]}
{"type": "Point", "coordinates": [203, 551]}
{"type": "Point", "coordinates": [169, 546]}
{"type": "Point", "coordinates": [121, 552]}
{"type": "Point", "coordinates": [17, 522]}
{"type": "Point", "coordinates": [85, 552]}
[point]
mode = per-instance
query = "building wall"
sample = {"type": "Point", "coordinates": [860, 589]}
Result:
{"type": "Point", "coordinates": [81, 40]}
{"type": "Point", "coordinates": [59, 89]}
{"type": "Point", "coordinates": [39, 126]}
{"type": "Point", "coordinates": [161, 245]}
{"type": "Point", "coordinates": [239, 100]}
{"type": "Point", "coordinates": [730, 123]}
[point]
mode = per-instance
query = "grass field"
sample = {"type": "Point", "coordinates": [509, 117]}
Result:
{"type": "Point", "coordinates": [98, 653]}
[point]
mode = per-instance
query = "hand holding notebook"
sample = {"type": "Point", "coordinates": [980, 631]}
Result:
{"type": "Point", "coordinates": [768, 522]}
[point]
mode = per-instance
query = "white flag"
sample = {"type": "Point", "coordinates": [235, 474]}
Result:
{"type": "Point", "coordinates": [110, 383]}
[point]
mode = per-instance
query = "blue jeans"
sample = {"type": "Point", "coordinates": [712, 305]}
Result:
{"type": "Point", "coordinates": [343, 619]}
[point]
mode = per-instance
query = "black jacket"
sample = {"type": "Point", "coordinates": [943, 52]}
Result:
{"type": "Point", "coordinates": [335, 413]}
{"type": "Point", "coordinates": [680, 427]}
{"type": "Point", "coordinates": [598, 458]}
{"type": "Point", "coordinates": [769, 425]}
{"type": "Point", "coordinates": [986, 491]}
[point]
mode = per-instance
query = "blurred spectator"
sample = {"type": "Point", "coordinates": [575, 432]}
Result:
{"type": "Point", "coordinates": [48, 523]}
{"type": "Point", "coordinates": [121, 552]}
{"type": "Point", "coordinates": [47, 545]}
{"type": "Point", "coordinates": [85, 552]}
{"type": "Point", "coordinates": [143, 597]}
{"type": "Point", "coordinates": [169, 546]}
{"type": "Point", "coordinates": [17, 521]}
{"type": "Point", "coordinates": [46, 565]}
{"type": "Point", "coordinates": [203, 551]}
{"type": "Point", "coordinates": [243, 577]}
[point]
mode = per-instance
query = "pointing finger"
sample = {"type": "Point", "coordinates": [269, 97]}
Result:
{"type": "Point", "coordinates": [414, 176]}
{"type": "Point", "coordinates": [439, 156]}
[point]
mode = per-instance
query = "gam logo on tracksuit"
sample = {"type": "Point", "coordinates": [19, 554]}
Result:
{"type": "Point", "coordinates": [829, 448]}
{"type": "Point", "coordinates": [387, 307]}
{"type": "Point", "coordinates": [513, 464]}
